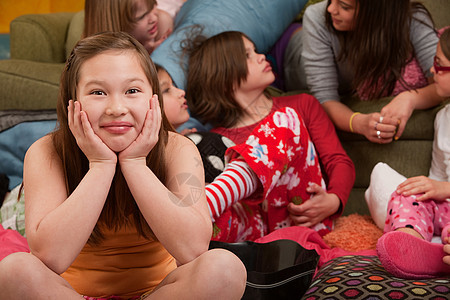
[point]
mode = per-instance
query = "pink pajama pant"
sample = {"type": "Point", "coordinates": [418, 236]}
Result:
{"type": "Point", "coordinates": [426, 217]}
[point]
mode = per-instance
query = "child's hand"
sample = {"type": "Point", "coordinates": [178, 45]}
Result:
{"type": "Point", "coordinates": [400, 108]}
{"type": "Point", "coordinates": [92, 146]}
{"type": "Point", "coordinates": [147, 138]}
{"type": "Point", "coordinates": [187, 131]}
{"type": "Point", "coordinates": [375, 128]}
{"type": "Point", "coordinates": [316, 209]}
{"type": "Point", "coordinates": [431, 189]}
{"type": "Point", "coordinates": [150, 46]}
{"type": "Point", "coordinates": [446, 241]}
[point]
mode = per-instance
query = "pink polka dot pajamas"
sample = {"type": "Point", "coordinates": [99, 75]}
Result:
{"type": "Point", "coordinates": [426, 217]}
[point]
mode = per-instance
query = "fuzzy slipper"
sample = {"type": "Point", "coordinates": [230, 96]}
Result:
{"type": "Point", "coordinates": [407, 256]}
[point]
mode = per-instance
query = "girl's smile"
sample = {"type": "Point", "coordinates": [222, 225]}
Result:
{"type": "Point", "coordinates": [117, 127]}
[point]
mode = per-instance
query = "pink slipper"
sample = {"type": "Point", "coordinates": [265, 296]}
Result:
{"type": "Point", "coordinates": [407, 256]}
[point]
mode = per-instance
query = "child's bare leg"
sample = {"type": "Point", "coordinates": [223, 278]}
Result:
{"type": "Point", "coordinates": [216, 274]}
{"type": "Point", "coordinates": [24, 276]}
{"type": "Point", "coordinates": [410, 231]}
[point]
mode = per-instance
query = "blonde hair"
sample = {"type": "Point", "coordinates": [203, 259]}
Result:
{"type": "Point", "coordinates": [110, 15]}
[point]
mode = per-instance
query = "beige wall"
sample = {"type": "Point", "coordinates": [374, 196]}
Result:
{"type": "Point", "coordinates": [10, 9]}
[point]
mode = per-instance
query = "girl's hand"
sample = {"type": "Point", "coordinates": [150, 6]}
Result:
{"type": "Point", "coordinates": [92, 146]}
{"type": "Point", "coordinates": [147, 138]}
{"type": "Point", "coordinates": [187, 131]}
{"type": "Point", "coordinates": [316, 209]}
{"type": "Point", "coordinates": [150, 46]}
{"type": "Point", "coordinates": [375, 128]}
{"type": "Point", "coordinates": [431, 189]}
{"type": "Point", "coordinates": [446, 257]}
{"type": "Point", "coordinates": [400, 109]}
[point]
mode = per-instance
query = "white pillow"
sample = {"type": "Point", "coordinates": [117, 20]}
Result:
{"type": "Point", "coordinates": [383, 182]}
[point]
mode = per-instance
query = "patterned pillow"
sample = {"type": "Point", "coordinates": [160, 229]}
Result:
{"type": "Point", "coordinates": [363, 277]}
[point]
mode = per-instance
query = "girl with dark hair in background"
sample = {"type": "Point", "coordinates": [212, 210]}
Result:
{"type": "Point", "coordinates": [372, 48]}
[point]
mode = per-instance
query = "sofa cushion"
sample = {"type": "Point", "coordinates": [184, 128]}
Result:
{"type": "Point", "coordinates": [74, 32]}
{"type": "Point", "coordinates": [29, 85]}
{"type": "Point", "coordinates": [363, 277]}
{"type": "Point", "coordinates": [40, 37]}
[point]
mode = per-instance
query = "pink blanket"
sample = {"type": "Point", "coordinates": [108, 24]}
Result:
{"type": "Point", "coordinates": [310, 239]}
{"type": "Point", "coordinates": [11, 241]}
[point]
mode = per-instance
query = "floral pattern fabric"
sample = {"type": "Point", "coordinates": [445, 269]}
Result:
{"type": "Point", "coordinates": [282, 155]}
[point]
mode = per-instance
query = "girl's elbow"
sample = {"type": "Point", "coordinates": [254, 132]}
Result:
{"type": "Point", "coordinates": [195, 251]}
{"type": "Point", "coordinates": [54, 261]}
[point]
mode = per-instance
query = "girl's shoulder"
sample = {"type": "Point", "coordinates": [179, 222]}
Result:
{"type": "Point", "coordinates": [43, 147]}
{"type": "Point", "coordinates": [178, 144]}
{"type": "Point", "coordinates": [42, 155]}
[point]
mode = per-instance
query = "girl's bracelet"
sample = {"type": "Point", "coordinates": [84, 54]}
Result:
{"type": "Point", "coordinates": [351, 120]}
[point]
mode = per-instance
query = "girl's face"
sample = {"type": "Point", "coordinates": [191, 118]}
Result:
{"type": "Point", "coordinates": [175, 105]}
{"type": "Point", "coordinates": [260, 73]}
{"type": "Point", "coordinates": [343, 14]}
{"type": "Point", "coordinates": [146, 27]}
{"type": "Point", "coordinates": [441, 78]}
{"type": "Point", "coordinates": [115, 94]}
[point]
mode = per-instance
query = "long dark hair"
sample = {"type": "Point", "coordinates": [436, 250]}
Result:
{"type": "Point", "coordinates": [379, 47]}
{"type": "Point", "coordinates": [444, 41]}
{"type": "Point", "coordinates": [120, 208]}
{"type": "Point", "coordinates": [216, 66]}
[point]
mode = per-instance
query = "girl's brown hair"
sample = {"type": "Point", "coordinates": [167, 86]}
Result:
{"type": "Point", "coordinates": [217, 65]}
{"type": "Point", "coordinates": [379, 47]}
{"type": "Point", "coordinates": [110, 15]}
{"type": "Point", "coordinates": [120, 208]}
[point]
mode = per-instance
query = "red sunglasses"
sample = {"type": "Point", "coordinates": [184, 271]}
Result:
{"type": "Point", "coordinates": [438, 68]}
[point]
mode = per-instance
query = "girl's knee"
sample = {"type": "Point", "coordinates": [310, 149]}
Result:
{"type": "Point", "coordinates": [227, 262]}
{"type": "Point", "coordinates": [225, 270]}
{"type": "Point", "coordinates": [24, 267]}
{"type": "Point", "coordinates": [16, 267]}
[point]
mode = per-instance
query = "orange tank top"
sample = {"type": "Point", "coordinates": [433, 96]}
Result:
{"type": "Point", "coordinates": [124, 264]}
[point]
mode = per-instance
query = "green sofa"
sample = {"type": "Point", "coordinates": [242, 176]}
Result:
{"type": "Point", "coordinates": [39, 46]}
{"type": "Point", "coordinates": [41, 43]}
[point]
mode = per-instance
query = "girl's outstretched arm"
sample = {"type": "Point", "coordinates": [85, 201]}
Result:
{"type": "Point", "coordinates": [58, 225]}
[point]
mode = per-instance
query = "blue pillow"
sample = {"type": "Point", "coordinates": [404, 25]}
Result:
{"type": "Point", "coordinates": [14, 143]}
{"type": "Point", "coordinates": [262, 20]}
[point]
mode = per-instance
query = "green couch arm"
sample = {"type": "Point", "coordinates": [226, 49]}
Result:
{"type": "Point", "coordinates": [28, 85]}
{"type": "Point", "coordinates": [40, 37]}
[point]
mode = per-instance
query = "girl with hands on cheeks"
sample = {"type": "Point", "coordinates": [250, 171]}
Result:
{"type": "Point", "coordinates": [420, 206]}
{"type": "Point", "coordinates": [115, 201]}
